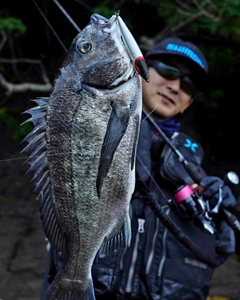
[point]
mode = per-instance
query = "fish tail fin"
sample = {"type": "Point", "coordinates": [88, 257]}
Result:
{"type": "Point", "coordinates": [65, 289]}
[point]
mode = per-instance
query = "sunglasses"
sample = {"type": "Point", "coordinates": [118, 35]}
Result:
{"type": "Point", "coordinates": [172, 73]}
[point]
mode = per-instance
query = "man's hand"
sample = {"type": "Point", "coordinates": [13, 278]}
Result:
{"type": "Point", "coordinates": [211, 185]}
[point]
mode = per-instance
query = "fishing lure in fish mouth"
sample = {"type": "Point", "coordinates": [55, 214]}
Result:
{"type": "Point", "coordinates": [128, 40]}
{"type": "Point", "coordinates": [133, 49]}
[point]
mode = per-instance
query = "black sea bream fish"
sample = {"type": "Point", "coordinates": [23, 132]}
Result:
{"type": "Point", "coordinates": [82, 153]}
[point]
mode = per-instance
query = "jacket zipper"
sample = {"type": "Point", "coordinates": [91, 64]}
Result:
{"type": "Point", "coordinates": [134, 256]}
{"type": "Point", "coordinates": [149, 262]}
{"type": "Point", "coordinates": [162, 261]}
{"type": "Point", "coordinates": [125, 248]}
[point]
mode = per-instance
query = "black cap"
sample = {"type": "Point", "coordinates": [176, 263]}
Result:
{"type": "Point", "coordinates": [189, 53]}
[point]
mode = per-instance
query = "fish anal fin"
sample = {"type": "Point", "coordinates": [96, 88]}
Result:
{"type": "Point", "coordinates": [119, 238]}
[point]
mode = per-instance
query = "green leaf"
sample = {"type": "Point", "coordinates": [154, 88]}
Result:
{"type": "Point", "coordinates": [12, 25]}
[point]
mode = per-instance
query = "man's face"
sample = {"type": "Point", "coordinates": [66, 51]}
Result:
{"type": "Point", "coordinates": [165, 98]}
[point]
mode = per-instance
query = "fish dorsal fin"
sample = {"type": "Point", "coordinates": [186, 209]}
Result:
{"type": "Point", "coordinates": [115, 241]}
{"type": "Point", "coordinates": [37, 160]}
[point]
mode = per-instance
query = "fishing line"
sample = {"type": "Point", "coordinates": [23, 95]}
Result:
{"type": "Point", "coordinates": [50, 26]}
{"type": "Point", "coordinates": [152, 178]}
{"type": "Point", "coordinates": [62, 44]}
{"type": "Point", "coordinates": [49, 155]}
{"type": "Point", "coordinates": [64, 153]}
{"type": "Point", "coordinates": [34, 156]}
{"type": "Point", "coordinates": [151, 112]}
{"type": "Point", "coordinates": [11, 159]}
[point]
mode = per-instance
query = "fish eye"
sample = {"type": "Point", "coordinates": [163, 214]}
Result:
{"type": "Point", "coordinates": [85, 46]}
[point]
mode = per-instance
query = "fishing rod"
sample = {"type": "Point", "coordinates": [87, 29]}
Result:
{"type": "Point", "coordinates": [67, 15]}
{"type": "Point", "coordinates": [152, 201]}
{"type": "Point", "coordinates": [190, 168]}
{"type": "Point", "coordinates": [51, 27]}
{"type": "Point", "coordinates": [196, 208]}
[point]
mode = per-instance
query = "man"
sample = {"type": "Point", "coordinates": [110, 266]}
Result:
{"type": "Point", "coordinates": [175, 245]}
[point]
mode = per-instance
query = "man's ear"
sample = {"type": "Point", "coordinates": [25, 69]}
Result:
{"type": "Point", "coordinates": [186, 106]}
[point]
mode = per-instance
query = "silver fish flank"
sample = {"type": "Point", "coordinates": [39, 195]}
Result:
{"type": "Point", "coordinates": [82, 154]}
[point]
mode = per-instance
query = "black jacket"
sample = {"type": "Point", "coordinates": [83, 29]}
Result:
{"type": "Point", "coordinates": [157, 265]}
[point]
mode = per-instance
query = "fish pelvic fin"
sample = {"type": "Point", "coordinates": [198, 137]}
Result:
{"type": "Point", "coordinates": [63, 288]}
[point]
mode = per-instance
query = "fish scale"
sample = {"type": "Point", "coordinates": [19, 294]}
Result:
{"type": "Point", "coordinates": [82, 153]}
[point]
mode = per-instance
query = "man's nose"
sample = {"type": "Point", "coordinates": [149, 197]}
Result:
{"type": "Point", "coordinates": [174, 85]}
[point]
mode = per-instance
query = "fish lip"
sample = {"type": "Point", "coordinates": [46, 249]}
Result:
{"type": "Point", "coordinates": [109, 88]}
{"type": "Point", "coordinates": [124, 82]}
{"type": "Point", "coordinates": [101, 21]}
{"type": "Point", "coordinates": [121, 78]}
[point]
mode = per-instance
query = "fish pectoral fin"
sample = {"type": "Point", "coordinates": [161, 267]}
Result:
{"type": "Point", "coordinates": [116, 128]}
{"type": "Point", "coordinates": [114, 242]}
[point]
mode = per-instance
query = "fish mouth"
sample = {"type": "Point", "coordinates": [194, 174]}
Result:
{"type": "Point", "coordinates": [116, 84]}
{"type": "Point", "coordinates": [101, 21]}
{"type": "Point", "coordinates": [128, 75]}
{"type": "Point", "coordinates": [109, 26]}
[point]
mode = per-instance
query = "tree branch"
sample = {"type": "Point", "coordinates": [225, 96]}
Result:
{"type": "Point", "coordinates": [26, 86]}
{"type": "Point", "coordinates": [4, 39]}
{"type": "Point", "coordinates": [23, 87]}
{"type": "Point", "coordinates": [184, 9]}
{"type": "Point", "coordinates": [10, 87]}
{"type": "Point", "coordinates": [147, 43]}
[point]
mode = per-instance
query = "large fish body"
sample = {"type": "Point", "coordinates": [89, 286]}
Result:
{"type": "Point", "coordinates": [82, 153]}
